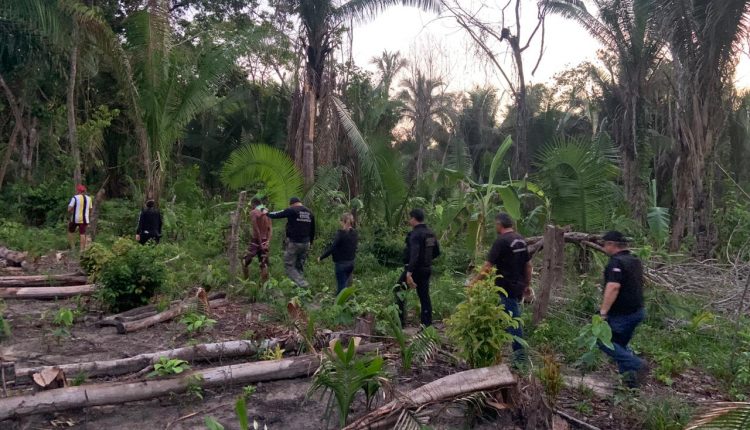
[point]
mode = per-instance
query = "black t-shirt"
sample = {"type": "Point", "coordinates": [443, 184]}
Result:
{"type": "Point", "coordinates": [510, 254]}
{"type": "Point", "coordinates": [300, 223]}
{"type": "Point", "coordinates": [625, 269]}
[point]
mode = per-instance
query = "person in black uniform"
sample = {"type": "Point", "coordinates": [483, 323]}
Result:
{"type": "Point", "coordinates": [344, 251]}
{"type": "Point", "coordinates": [300, 233]}
{"type": "Point", "coordinates": [509, 258]}
{"type": "Point", "coordinates": [149, 224]}
{"type": "Point", "coordinates": [622, 305]}
{"type": "Point", "coordinates": [421, 248]}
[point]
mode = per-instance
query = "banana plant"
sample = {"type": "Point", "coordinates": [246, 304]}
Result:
{"type": "Point", "coordinates": [478, 201]}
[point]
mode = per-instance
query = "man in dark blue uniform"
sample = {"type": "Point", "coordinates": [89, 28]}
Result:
{"type": "Point", "coordinates": [421, 248]}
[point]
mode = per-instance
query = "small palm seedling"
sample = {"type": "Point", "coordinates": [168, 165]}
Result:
{"type": "Point", "coordinates": [63, 319]}
{"type": "Point", "coordinates": [168, 367]}
{"type": "Point", "coordinates": [421, 346]}
{"type": "Point", "coordinates": [196, 323]}
{"type": "Point", "coordinates": [271, 354]}
{"type": "Point", "coordinates": [342, 375]}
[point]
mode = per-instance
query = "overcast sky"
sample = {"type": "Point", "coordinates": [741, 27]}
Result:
{"type": "Point", "coordinates": [410, 30]}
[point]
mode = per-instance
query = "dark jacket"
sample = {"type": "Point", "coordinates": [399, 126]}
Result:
{"type": "Point", "coordinates": [344, 246]}
{"type": "Point", "coordinates": [421, 248]}
{"type": "Point", "coordinates": [149, 223]}
{"type": "Point", "coordinates": [300, 223]}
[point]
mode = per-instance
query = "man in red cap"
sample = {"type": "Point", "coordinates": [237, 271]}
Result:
{"type": "Point", "coordinates": [80, 209]}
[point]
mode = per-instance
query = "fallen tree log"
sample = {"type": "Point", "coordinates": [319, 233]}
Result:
{"type": "Point", "coordinates": [63, 399]}
{"type": "Point", "coordinates": [203, 352]}
{"type": "Point", "coordinates": [14, 258]}
{"type": "Point", "coordinates": [124, 327]}
{"type": "Point", "coordinates": [536, 243]}
{"type": "Point", "coordinates": [43, 280]}
{"type": "Point", "coordinates": [47, 292]}
{"type": "Point", "coordinates": [449, 387]}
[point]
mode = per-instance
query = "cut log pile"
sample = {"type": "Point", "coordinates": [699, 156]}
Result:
{"type": "Point", "coordinates": [62, 399]}
{"type": "Point", "coordinates": [123, 366]}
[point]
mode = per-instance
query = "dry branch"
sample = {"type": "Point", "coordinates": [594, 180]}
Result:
{"type": "Point", "coordinates": [46, 292]}
{"type": "Point", "coordinates": [203, 352]}
{"type": "Point", "coordinates": [113, 393]}
{"type": "Point", "coordinates": [449, 387]}
{"type": "Point", "coordinates": [124, 327]}
{"type": "Point", "coordinates": [42, 280]}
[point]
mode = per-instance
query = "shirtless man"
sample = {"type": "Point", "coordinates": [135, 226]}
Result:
{"type": "Point", "coordinates": [259, 242]}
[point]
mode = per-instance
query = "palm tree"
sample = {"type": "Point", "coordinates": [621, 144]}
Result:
{"type": "Point", "coordinates": [704, 37]}
{"type": "Point", "coordinates": [428, 107]}
{"type": "Point", "coordinates": [627, 28]}
{"type": "Point", "coordinates": [320, 20]}
{"type": "Point", "coordinates": [389, 64]}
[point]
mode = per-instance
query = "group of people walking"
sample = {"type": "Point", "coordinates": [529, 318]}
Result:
{"type": "Point", "coordinates": [622, 305]}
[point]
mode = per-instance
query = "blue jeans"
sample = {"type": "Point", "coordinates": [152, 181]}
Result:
{"type": "Point", "coordinates": [623, 327]}
{"type": "Point", "coordinates": [343, 271]}
{"type": "Point", "coordinates": [513, 307]}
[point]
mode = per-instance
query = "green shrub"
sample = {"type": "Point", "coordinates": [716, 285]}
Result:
{"type": "Point", "coordinates": [93, 260]}
{"type": "Point", "coordinates": [478, 327]}
{"type": "Point", "coordinates": [45, 203]}
{"type": "Point", "coordinates": [131, 276]}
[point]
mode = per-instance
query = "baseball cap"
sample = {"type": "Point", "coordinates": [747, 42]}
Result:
{"type": "Point", "coordinates": [81, 188]}
{"type": "Point", "coordinates": [614, 236]}
{"type": "Point", "coordinates": [294, 200]}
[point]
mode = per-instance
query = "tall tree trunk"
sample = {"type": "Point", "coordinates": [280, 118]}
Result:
{"type": "Point", "coordinates": [634, 187]}
{"type": "Point", "coordinates": [71, 104]}
{"type": "Point", "coordinates": [18, 129]}
{"type": "Point", "coordinates": [9, 152]}
{"type": "Point", "coordinates": [308, 136]}
{"type": "Point", "coordinates": [520, 165]}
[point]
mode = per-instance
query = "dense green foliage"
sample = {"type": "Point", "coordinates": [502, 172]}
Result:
{"type": "Point", "coordinates": [477, 327]}
{"type": "Point", "coordinates": [129, 274]}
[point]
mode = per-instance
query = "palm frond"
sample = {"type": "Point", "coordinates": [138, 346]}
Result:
{"type": "Point", "coordinates": [254, 163]}
{"type": "Point", "coordinates": [365, 10]}
{"type": "Point", "coordinates": [409, 420]}
{"type": "Point", "coordinates": [723, 416]}
{"type": "Point", "coordinates": [327, 180]}
{"type": "Point", "coordinates": [578, 176]}
{"type": "Point", "coordinates": [576, 10]}
{"type": "Point", "coordinates": [425, 344]}
{"type": "Point", "coordinates": [367, 162]}
{"type": "Point", "coordinates": [498, 158]}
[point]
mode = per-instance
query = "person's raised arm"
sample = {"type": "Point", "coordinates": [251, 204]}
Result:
{"type": "Point", "coordinates": [280, 214]}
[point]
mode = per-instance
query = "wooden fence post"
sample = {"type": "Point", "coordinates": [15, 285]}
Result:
{"type": "Point", "coordinates": [552, 268]}
{"type": "Point", "coordinates": [235, 218]}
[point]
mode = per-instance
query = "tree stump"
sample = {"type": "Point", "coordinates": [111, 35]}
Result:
{"type": "Point", "coordinates": [552, 269]}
